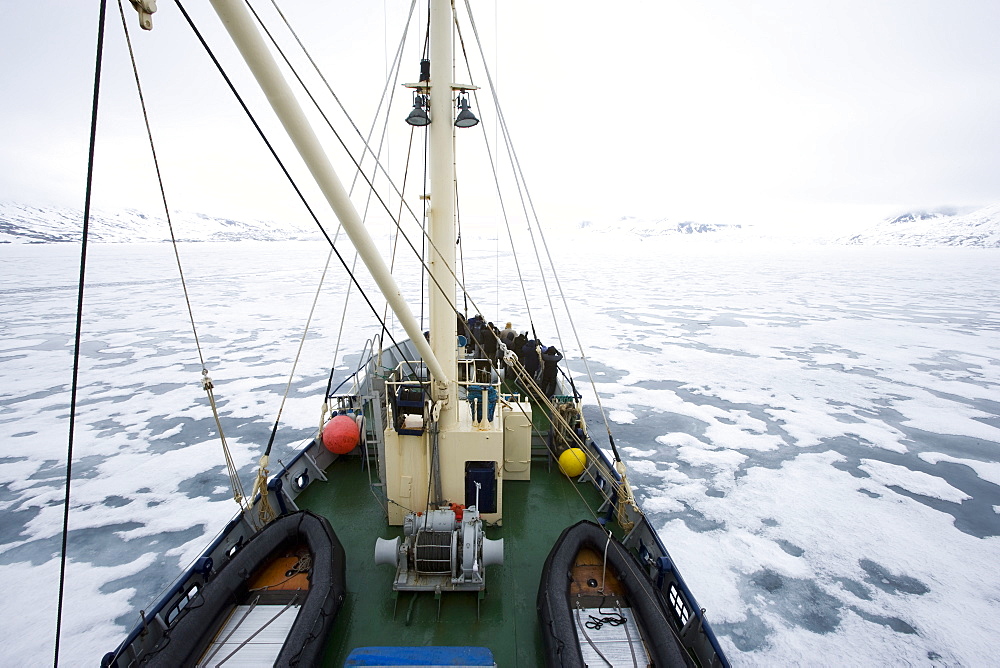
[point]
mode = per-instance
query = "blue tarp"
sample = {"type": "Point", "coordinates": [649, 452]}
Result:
{"type": "Point", "coordinates": [421, 656]}
{"type": "Point", "coordinates": [475, 396]}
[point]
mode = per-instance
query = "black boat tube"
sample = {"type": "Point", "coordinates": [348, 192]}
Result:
{"type": "Point", "coordinates": [562, 644]}
{"type": "Point", "coordinates": [185, 641]}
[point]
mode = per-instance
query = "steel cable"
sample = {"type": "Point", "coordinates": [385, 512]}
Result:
{"type": "Point", "coordinates": [79, 326]}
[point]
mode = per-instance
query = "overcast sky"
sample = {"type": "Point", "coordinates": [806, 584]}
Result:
{"type": "Point", "coordinates": [811, 113]}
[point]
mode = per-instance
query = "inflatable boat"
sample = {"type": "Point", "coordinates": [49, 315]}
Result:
{"type": "Point", "coordinates": [598, 607]}
{"type": "Point", "coordinates": [277, 595]}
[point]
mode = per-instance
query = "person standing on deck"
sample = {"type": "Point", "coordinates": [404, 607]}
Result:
{"type": "Point", "coordinates": [519, 342]}
{"type": "Point", "coordinates": [490, 343]}
{"type": "Point", "coordinates": [550, 359]}
{"type": "Point", "coordinates": [508, 335]}
{"type": "Point", "coordinates": [532, 358]}
{"type": "Point", "coordinates": [477, 325]}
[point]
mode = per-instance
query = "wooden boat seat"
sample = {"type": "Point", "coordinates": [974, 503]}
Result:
{"type": "Point", "coordinates": [587, 574]}
{"type": "Point", "coordinates": [289, 571]}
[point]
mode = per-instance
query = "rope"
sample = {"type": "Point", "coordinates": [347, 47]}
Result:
{"type": "Point", "coordinates": [347, 292]}
{"type": "Point", "coordinates": [526, 381]}
{"type": "Point", "coordinates": [557, 419]}
{"type": "Point", "coordinates": [303, 565]}
{"type": "Point", "coordinates": [280, 163]}
{"type": "Point", "coordinates": [265, 513]}
{"type": "Point", "coordinates": [234, 479]}
{"type": "Point", "coordinates": [604, 571]}
{"type": "Point", "coordinates": [493, 166]}
{"type": "Point", "coordinates": [79, 326]}
{"type": "Point", "coordinates": [519, 180]}
{"type": "Point", "coordinates": [628, 562]}
{"type": "Point", "coordinates": [596, 623]}
{"type": "Point", "coordinates": [367, 147]}
{"type": "Point", "coordinates": [625, 497]}
{"type": "Point", "coordinates": [298, 356]}
{"type": "Point", "coordinates": [418, 254]}
{"type": "Point", "coordinates": [232, 631]}
{"type": "Point", "coordinates": [366, 141]}
{"type": "Point", "coordinates": [238, 494]}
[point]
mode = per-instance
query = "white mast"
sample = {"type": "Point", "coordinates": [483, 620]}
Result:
{"type": "Point", "coordinates": [244, 34]}
{"type": "Point", "coordinates": [442, 200]}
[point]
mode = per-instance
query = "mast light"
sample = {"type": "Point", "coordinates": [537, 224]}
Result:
{"type": "Point", "coordinates": [418, 115]}
{"type": "Point", "coordinates": [466, 119]}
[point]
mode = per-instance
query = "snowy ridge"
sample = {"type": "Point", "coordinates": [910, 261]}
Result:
{"type": "Point", "coordinates": [934, 228]}
{"type": "Point", "coordinates": [21, 223]}
{"type": "Point", "coordinates": [627, 229]}
{"type": "Point", "coordinates": [655, 228]}
{"type": "Point", "coordinates": [939, 227]}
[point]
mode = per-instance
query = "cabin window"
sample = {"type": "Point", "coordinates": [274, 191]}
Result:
{"type": "Point", "coordinates": [677, 603]}
{"type": "Point", "coordinates": [182, 603]}
{"type": "Point", "coordinates": [235, 548]}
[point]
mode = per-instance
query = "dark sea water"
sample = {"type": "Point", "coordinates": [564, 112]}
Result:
{"type": "Point", "coordinates": [815, 432]}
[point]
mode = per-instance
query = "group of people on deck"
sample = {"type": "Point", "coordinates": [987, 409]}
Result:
{"type": "Point", "coordinates": [539, 360]}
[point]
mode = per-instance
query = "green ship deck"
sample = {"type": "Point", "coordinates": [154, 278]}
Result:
{"type": "Point", "coordinates": [535, 514]}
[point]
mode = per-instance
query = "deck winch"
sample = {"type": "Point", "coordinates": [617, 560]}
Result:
{"type": "Point", "coordinates": [441, 551]}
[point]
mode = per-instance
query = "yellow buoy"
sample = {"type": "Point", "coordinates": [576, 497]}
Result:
{"type": "Point", "coordinates": [572, 462]}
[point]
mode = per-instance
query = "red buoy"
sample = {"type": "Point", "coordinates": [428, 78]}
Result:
{"type": "Point", "coordinates": [341, 434]}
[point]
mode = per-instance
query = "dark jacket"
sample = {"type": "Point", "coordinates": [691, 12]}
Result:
{"type": "Point", "coordinates": [518, 347]}
{"type": "Point", "coordinates": [550, 358]}
{"type": "Point", "coordinates": [490, 343]}
{"type": "Point", "coordinates": [531, 361]}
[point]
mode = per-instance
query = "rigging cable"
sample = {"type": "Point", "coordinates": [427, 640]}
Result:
{"type": "Point", "coordinates": [265, 512]}
{"type": "Point", "coordinates": [79, 327]}
{"type": "Point", "coordinates": [278, 160]}
{"type": "Point", "coordinates": [519, 171]}
{"type": "Point", "coordinates": [322, 77]}
{"type": "Point", "coordinates": [393, 71]}
{"type": "Point", "coordinates": [261, 482]}
{"type": "Point", "coordinates": [396, 220]}
{"type": "Point", "coordinates": [382, 202]}
{"type": "Point", "coordinates": [357, 130]}
{"type": "Point", "coordinates": [425, 240]}
{"type": "Point", "coordinates": [370, 185]}
{"type": "Point", "coordinates": [626, 498]}
{"type": "Point", "coordinates": [234, 477]}
{"type": "Point", "coordinates": [518, 176]}
{"type": "Point", "coordinates": [292, 182]}
{"type": "Point", "coordinates": [366, 140]}
{"type": "Point", "coordinates": [519, 180]}
{"type": "Point", "coordinates": [369, 150]}
{"type": "Point", "coordinates": [496, 177]}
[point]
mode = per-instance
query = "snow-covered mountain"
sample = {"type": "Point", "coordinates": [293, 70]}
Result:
{"type": "Point", "coordinates": [631, 225]}
{"type": "Point", "coordinates": [21, 223]}
{"type": "Point", "coordinates": [934, 228]}
{"type": "Point", "coordinates": [938, 227]}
